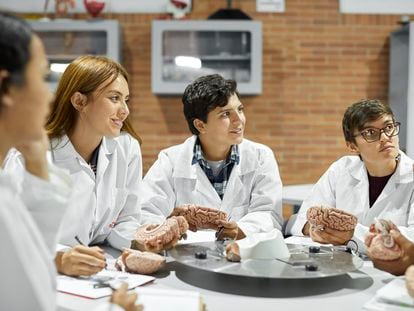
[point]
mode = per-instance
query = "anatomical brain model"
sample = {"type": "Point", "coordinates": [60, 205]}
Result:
{"type": "Point", "coordinates": [321, 217]}
{"type": "Point", "coordinates": [409, 280]}
{"type": "Point", "coordinates": [233, 252]}
{"type": "Point", "coordinates": [156, 237]}
{"type": "Point", "coordinates": [380, 244]}
{"type": "Point", "coordinates": [199, 217]}
{"type": "Point", "coordinates": [134, 261]}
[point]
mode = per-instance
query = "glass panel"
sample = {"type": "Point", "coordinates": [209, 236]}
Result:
{"type": "Point", "coordinates": [64, 46]}
{"type": "Point", "coordinates": [190, 54]}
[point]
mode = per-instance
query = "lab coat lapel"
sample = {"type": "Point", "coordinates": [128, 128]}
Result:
{"type": "Point", "coordinates": [403, 174]}
{"type": "Point", "coordinates": [236, 186]}
{"type": "Point", "coordinates": [187, 170]}
{"type": "Point", "coordinates": [105, 155]}
{"type": "Point", "coordinates": [106, 151]}
{"type": "Point", "coordinates": [360, 192]}
{"type": "Point", "coordinates": [205, 188]}
{"type": "Point", "coordinates": [233, 189]}
{"type": "Point", "coordinates": [64, 154]}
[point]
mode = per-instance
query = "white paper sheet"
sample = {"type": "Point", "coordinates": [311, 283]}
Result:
{"type": "Point", "coordinates": [199, 236]}
{"type": "Point", "coordinates": [391, 297]}
{"type": "Point", "coordinates": [171, 300]}
{"type": "Point", "coordinates": [303, 240]}
{"type": "Point", "coordinates": [84, 286]}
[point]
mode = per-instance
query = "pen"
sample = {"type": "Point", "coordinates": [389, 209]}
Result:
{"type": "Point", "coordinates": [78, 240]}
{"type": "Point", "coordinates": [103, 284]}
{"type": "Point", "coordinates": [83, 244]}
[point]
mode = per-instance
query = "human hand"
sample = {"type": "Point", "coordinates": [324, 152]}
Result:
{"type": "Point", "coordinates": [34, 154]}
{"type": "Point", "coordinates": [80, 260]}
{"type": "Point", "coordinates": [229, 230]}
{"type": "Point", "coordinates": [379, 242]}
{"type": "Point", "coordinates": [409, 280]}
{"type": "Point", "coordinates": [125, 300]}
{"type": "Point", "coordinates": [328, 235]}
{"type": "Point", "coordinates": [400, 265]}
{"type": "Point", "coordinates": [200, 217]}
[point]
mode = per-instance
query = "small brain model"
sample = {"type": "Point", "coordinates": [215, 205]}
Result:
{"type": "Point", "coordinates": [233, 252]}
{"type": "Point", "coordinates": [409, 280]}
{"type": "Point", "coordinates": [156, 237]}
{"type": "Point", "coordinates": [379, 242]}
{"type": "Point", "coordinates": [134, 261]}
{"type": "Point", "coordinates": [321, 217]}
{"type": "Point", "coordinates": [200, 217]}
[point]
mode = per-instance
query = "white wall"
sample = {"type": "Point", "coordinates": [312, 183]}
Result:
{"type": "Point", "coordinates": [403, 7]}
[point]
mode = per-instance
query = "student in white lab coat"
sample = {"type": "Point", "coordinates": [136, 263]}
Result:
{"type": "Point", "coordinates": [376, 181]}
{"type": "Point", "coordinates": [91, 136]}
{"type": "Point", "coordinates": [31, 210]}
{"type": "Point", "coordinates": [216, 167]}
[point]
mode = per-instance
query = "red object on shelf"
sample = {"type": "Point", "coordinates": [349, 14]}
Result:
{"type": "Point", "coordinates": [94, 7]}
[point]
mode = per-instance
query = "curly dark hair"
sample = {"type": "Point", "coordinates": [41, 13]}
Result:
{"type": "Point", "coordinates": [359, 113]}
{"type": "Point", "coordinates": [204, 95]}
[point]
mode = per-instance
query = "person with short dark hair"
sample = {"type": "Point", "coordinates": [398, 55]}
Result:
{"type": "Point", "coordinates": [217, 167]}
{"type": "Point", "coordinates": [30, 209]}
{"type": "Point", "coordinates": [376, 181]}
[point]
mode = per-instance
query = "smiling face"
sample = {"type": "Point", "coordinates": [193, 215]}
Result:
{"type": "Point", "coordinates": [224, 126]}
{"type": "Point", "coordinates": [380, 153]}
{"type": "Point", "coordinates": [106, 109]}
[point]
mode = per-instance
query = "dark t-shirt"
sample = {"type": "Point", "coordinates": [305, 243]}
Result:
{"type": "Point", "coordinates": [376, 185]}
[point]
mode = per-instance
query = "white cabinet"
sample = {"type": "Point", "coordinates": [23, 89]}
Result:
{"type": "Point", "coordinates": [401, 84]}
{"type": "Point", "coordinates": [185, 50]}
{"type": "Point", "coordinates": [65, 40]}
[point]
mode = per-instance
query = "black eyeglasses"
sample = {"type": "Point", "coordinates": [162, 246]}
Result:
{"type": "Point", "coordinates": [372, 134]}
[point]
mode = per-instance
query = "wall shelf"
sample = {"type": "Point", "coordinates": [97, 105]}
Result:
{"type": "Point", "coordinates": [185, 50]}
{"type": "Point", "coordinates": [67, 39]}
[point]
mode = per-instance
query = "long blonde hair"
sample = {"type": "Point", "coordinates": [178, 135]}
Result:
{"type": "Point", "coordinates": [85, 74]}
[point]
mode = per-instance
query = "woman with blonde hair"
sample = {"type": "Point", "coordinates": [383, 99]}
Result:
{"type": "Point", "coordinates": [92, 137]}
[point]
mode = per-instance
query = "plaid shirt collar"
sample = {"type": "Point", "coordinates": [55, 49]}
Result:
{"type": "Point", "coordinates": [198, 157]}
{"type": "Point", "coordinates": [219, 181]}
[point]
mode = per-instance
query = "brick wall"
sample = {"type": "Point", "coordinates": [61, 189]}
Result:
{"type": "Point", "coordinates": [316, 62]}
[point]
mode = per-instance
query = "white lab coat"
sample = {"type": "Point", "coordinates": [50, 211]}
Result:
{"type": "Point", "coordinates": [345, 186]}
{"type": "Point", "coordinates": [30, 214]}
{"type": "Point", "coordinates": [253, 197]}
{"type": "Point", "coordinates": [104, 208]}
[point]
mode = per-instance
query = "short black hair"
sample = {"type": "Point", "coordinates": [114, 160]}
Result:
{"type": "Point", "coordinates": [15, 39]}
{"type": "Point", "coordinates": [204, 95]}
{"type": "Point", "coordinates": [359, 113]}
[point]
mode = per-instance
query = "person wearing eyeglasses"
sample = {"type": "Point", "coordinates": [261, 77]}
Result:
{"type": "Point", "coordinates": [376, 181]}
